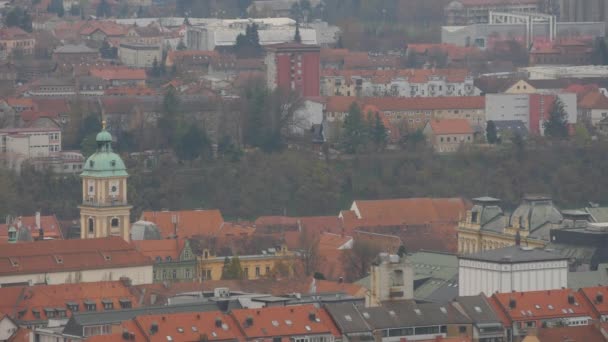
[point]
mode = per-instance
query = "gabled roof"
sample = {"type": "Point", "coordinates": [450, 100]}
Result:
{"type": "Point", "coordinates": [408, 313]}
{"type": "Point", "coordinates": [593, 100]}
{"type": "Point", "coordinates": [451, 126]}
{"type": "Point", "coordinates": [189, 326]}
{"type": "Point", "coordinates": [65, 255]}
{"type": "Point", "coordinates": [596, 296]}
{"type": "Point", "coordinates": [14, 33]}
{"type": "Point", "coordinates": [542, 305]}
{"type": "Point", "coordinates": [49, 224]}
{"type": "Point", "coordinates": [189, 222]}
{"type": "Point", "coordinates": [571, 334]}
{"type": "Point", "coordinates": [119, 73]}
{"type": "Point", "coordinates": [285, 321]}
{"type": "Point", "coordinates": [163, 249]}
{"type": "Point", "coordinates": [348, 318]}
{"type": "Point", "coordinates": [412, 210]}
{"type": "Point", "coordinates": [22, 301]}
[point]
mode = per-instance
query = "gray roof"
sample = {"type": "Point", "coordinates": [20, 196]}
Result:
{"type": "Point", "coordinates": [348, 318]}
{"type": "Point", "coordinates": [395, 314]}
{"type": "Point", "coordinates": [70, 48]}
{"type": "Point", "coordinates": [537, 214]}
{"type": "Point", "coordinates": [514, 254]}
{"type": "Point", "coordinates": [599, 214]}
{"type": "Point", "coordinates": [445, 292]}
{"type": "Point", "coordinates": [478, 309]}
{"type": "Point", "coordinates": [79, 320]}
{"type": "Point", "coordinates": [144, 230]}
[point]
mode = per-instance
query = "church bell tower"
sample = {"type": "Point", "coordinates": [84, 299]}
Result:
{"type": "Point", "coordinates": [104, 210]}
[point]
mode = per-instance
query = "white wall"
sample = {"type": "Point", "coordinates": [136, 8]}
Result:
{"type": "Point", "coordinates": [475, 277]}
{"type": "Point", "coordinates": [7, 328]}
{"type": "Point", "coordinates": [137, 274]}
{"type": "Point", "coordinates": [504, 107]}
{"type": "Point", "coordinates": [310, 114]}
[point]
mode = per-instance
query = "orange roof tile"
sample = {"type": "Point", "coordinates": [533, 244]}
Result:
{"type": "Point", "coordinates": [14, 33]}
{"type": "Point", "coordinates": [49, 224]}
{"type": "Point", "coordinates": [571, 334]}
{"type": "Point", "coordinates": [162, 249]}
{"type": "Point", "coordinates": [129, 91]}
{"type": "Point", "coordinates": [543, 304]}
{"type": "Point", "coordinates": [20, 102]}
{"type": "Point", "coordinates": [65, 255]}
{"type": "Point", "coordinates": [190, 326]}
{"type": "Point", "coordinates": [119, 73]}
{"type": "Point", "coordinates": [333, 241]}
{"type": "Point", "coordinates": [189, 222]}
{"type": "Point", "coordinates": [451, 126]}
{"type": "Point", "coordinates": [412, 210]}
{"type": "Point", "coordinates": [594, 100]}
{"type": "Point", "coordinates": [22, 301]}
{"type": "Point", "coordinates": [290, 321]}
{"type": "Point", "coordinates": [232, 229]}
{"type": "Point", "coordinates": [597, 297]}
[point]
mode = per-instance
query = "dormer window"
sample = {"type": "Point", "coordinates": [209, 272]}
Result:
{"type": "Point", "coordinates": [49, 312]}
{"type": "Point", "coordinates": [474, 217]}
{"type": "Point", "coordinates": [113, 163]}
{"type": "Point", "coordinates": [107, 304]}
{"type": "Point", "coordinates": [72, 306]}
{"type": "Point", "coordinates": [125, 303]}
{"type": "Point", "coordinates": [90, 305]}
{"type": "Point", "coordinates": [91, 163]}
{"type": "Point", "coordinates": [36, 313]}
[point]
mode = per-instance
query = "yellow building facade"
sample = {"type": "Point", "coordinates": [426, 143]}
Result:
{"type": "Point", "coordinates": [486, 227]}
{"type": "Point", "coordinates": [253, 266]}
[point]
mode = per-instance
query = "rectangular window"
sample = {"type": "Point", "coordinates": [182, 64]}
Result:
{"type": "Point", "coordinates": [257, 271]}
{"type": "Point", "coordinates": [267, 270]}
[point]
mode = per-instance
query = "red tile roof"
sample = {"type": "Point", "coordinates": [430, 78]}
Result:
{"type": "Point", "coordinates": [129, 91]}
{"type": "Point", "coordinates": [14, 33]}
{"type": "Point", "coordinates": [593, 100]}
{"type": "Point", "coordinates": [20, 102]}
{"type": "Point", "coordinates": [119, 73]}
{"type": "Point", "coordinates": [190, 222]}
{"type": "Point", "coordinates": [29, 116]}
{"type": "Point", "coordinates": [66, 255]}
{"type": "Point", "coordinates": [285, 322]}
{"type": "Point", "coordinates": [55, 106]}
{"type": "Point", "coordinates": [21, 301]}
{"type": "Point", "coordinates": [331, 241]}
{"type": "Point", "coordinates": [571, 334]}
{"type": "Point", "coordinates": [154, 249]}
{"type": "Point", "coordinates": [190, 326]}
{"type": "Point", "coordinates": [412, 210]}
{"type": "Point", "coordinates": [232, 229]}
{"type": "Point", "coordinates": [542, 305]}
{"type": "Point", "coordinates": [451, 126]}
{"type": "Point", "coordinates": [597, 297]}
{"type": "Point", "coordinates": [109, 28]}
{"type": "Point", "coordinates": [49, 224]}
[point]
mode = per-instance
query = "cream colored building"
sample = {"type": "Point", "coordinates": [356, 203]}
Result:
{"type": "Point", "coordinates": [392, 278]}
{"type": "Point", "coordinates": [104, 210]}
{"type": "Point", "coordinates": [487, 227]}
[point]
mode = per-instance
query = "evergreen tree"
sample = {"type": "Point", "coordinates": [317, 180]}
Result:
{"type": "Point", "coordinates": [491, 133]}
{"type": "Point", "coordinates": [353, 135]}
{"type": "Point", "coordinates": [402, 251]}
{"type": "Point", "coordinates": [192, 144]}
{"type": "Point", "coordinates": [18, 17]}
{"type": "Point", "coordinates": [140, 12]}
{"type": "Point", "coordinates": [379, 133]}
{"type": "Point", "coordinates": [103, 9]}
{"type": "Point", "coordinates": [557, 125]}
{"type": "Point", "coordinates": [297, 38]}
{"type": "Point", "coordinates": [155, 71]}
{"type": "Point", "coordinates": [233, 270]}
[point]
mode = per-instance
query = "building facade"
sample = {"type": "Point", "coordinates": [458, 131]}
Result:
{"type": "Point", "coordinates": [487, 227]}
{"type": "Point", "coordinates": [104, 210]}
{"type": "Point", "coordinates": [513, 268]}
{"type": "Point", "coordinates": [293, 67]}
{"type": "Point", "coordinates": [392, 278]}
{"type": "Point", "coordinates": [466, 12]}
{"type": "Point", "coordinates": [448, 135]}
{"type": "Point", "coordinates": [398, 83]}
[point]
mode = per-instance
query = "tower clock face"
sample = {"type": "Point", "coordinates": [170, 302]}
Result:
{"type": "Point", "coordinates": [114, 186]}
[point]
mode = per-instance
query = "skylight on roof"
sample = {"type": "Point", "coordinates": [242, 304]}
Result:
{"type": "Point", "coordinates": [477, 309]}
{"type": "Point", "coordinates": [348, 318]}
{"type": "Point", "coordinates": [169, 338]}
{"type": "Point", "coordinates": [537, 306]}
{"type": "Point", "coordinates": [418, 312]}
{"type": "Point", "coordinates": [288, 322]}
{"type": "Point", "coordinates": [213, 334]}
{"type": "Point", "coordinates": [443, 310]}
{"type": "Point", "coordinates": [570, 310]}
{"type": "Point", "coordinates": [391, 312]}
{"type": "Point", "coordinates": [308, 328]}
{"type": "Point", "coordinates": [523, 313]}
{"type": "Point", "coordinates": [550, 307]}
{"type": "Point", "coordinates": [224, 326]}
{"type": "Point", "coordinates": [275, 323]}
{"type": "Point", "coordinates": [564, 311]}
{"type": "Point", "coordinates": [366, 315]}
{"type": "Point", "coordinates": [195, 329]}
{"type": "Point", "coordinates": [180, 330]}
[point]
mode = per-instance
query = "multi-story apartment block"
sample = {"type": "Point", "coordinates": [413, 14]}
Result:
{"type": "Point", "coordinates": [466, 12]}
{"type": "Point", "coordinates": [398, 83]}
{"type": "Point", "coordinates": [15, 39]}
{"type": "Point", "coordinates": [293, 66]}
{"type": "Point", "coordinates": [30, 142]}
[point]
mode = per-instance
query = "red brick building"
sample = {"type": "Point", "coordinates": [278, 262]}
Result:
{"type": "Point", "coordinates": [293, 66]}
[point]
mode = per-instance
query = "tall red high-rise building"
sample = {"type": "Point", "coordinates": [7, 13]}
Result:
{"type": "Point", "coordinates": [294, 66]}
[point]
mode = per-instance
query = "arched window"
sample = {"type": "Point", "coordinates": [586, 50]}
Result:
{"type": "Point", "coordinates": [91, 225]}
{"type": "Point", "coordinates": [115, 222]}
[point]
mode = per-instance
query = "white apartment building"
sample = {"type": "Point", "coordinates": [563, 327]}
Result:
{"type": "Point", "coordinates": [30, 142]}
{"type": "Point", "coordinates": [400, 83]}
{"type": "Point", "coordinates": [514, 268]}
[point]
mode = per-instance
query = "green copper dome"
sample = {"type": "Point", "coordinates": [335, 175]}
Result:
{"type": "Point", "coordinates": [104, 163]}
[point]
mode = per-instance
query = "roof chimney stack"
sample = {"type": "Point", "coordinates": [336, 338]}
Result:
{"type": "Point", "coordinates": [38, 220]}
{"type": "Point", "coordinates": [571, 299]}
